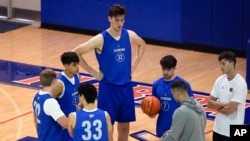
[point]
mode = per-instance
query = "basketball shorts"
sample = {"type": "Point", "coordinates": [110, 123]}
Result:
{"type": "Point", "coordinates": [118, 101]}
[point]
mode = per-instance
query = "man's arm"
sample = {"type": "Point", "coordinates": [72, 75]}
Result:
{"type": "Point", "coordinates": [229, 108]}
{"type": "Point", "coordinates": [176, 128]}
{"type": "Point", "coordinates": [140, 44]}
{"type": "Point", "coordinates": [213, 103]}
{"type": "Point", "coordinates": [110, 127]}
{"type": "Point", "coordinates": [34, 119]}
{"type": "Point", "coordinates": [71, 124]}
{"type": "Point", "coordinates": [57, 90]}
{"type": "Point", "coordinates": [95, 43]}
{"type": "Point", "coordinates": [52, 108]}
{"type": "Point", "coordinates": [239, 96]}
{"type": "Point", "coordinates": [62, 120]}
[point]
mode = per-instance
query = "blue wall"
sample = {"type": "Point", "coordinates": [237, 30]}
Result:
{"type": "Point", "coordinates": [227, 23]}
{"type": "Point", "coordinates": [214, 23]}
{"type": "Point", "coordinates": [246, 23]}
{"type": "Point", "coordinates": [196, 21]}
{"type": "Point", "coordinates": [158, 20]}
{"type": "Point", "coordinates": [220, 23]}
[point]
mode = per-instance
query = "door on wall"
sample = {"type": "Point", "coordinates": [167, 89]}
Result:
{"type": "Point", "coordinates": [3, 8]}
{"type": "Point", "coordinates": [24, 9]}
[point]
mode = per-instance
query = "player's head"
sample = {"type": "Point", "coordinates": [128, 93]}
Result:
{"type": "Point", "coordinates": [69, 57]}
{"type": "Point", "coordinates": [227, 55]}
{"type": "Point", "coordinates": [227, 60]}
{"type": "Point", "coordinates": [70, 61]}
{"type": "Point", "coordinates": [168, 64]}
{"type": "Point", "coordinates": [47, 76]}
{"type": "Point", "coordinates": [179, 90]}
{"type": "Point", "coordinates": [116, 17]}
{"type": "Point", "coordinates": [88, 91]}
{"type": "Point", "coordinates": [117, 10]}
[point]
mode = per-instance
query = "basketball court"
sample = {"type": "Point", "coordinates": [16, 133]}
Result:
{"type": "Point", "coordinates": [27, 50]}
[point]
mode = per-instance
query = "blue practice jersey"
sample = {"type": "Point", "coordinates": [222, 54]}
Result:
{"type": "Point", "coordinates": [70, 98]}
{"type": "Point", "coordinates": [47, 128]}
{"type": "Point", "coordinates": [91, 126]}
{"type": "Point", "coordinates": [162, 90]}
{"type": "Point", "coordinates": [115, 59]}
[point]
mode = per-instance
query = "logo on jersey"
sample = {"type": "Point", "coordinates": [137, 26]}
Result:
{"type": "Point", "coordinates": [119, 57]}
{"type": "Point", "coordinates": [119, 54]}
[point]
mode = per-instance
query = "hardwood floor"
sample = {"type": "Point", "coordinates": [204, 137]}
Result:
{"type": "Point", "coordinates": [43, 47]}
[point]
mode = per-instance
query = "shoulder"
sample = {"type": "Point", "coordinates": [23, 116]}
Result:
{"type": "Point", "coordinates": [58, 89]}
{"type": "Point", "coordinates": [94, 42]}
{"type": "Point", "coordinates": [77, 76]}
{"type": "Point", "coordinates": [51, 106]}
{"type": "Point", "coordinates": [179, 112]}
{"type": "Point", "coordinates": [240, 78]}
{"type": "Point", "coordinates": [182, 110]}
{"type": "Point", "coordinates": [72, 115]}
{"type": "Point", "coordinates": [240, 84]}
{"type": "Point", "coordinates": [99, 36]}
{"type": "Point", "coordinates": [157, 81]}
{"type": "Point", "coordinates": [131, 33]}
{"type": "Point", "coordinates": [182, 79]}
{"type": "Point", "coordinates": [106, 114]}
{"type": "Point", "coordinates": [51, 102]}
{"type": "Point", "coordinates": [222, 77]}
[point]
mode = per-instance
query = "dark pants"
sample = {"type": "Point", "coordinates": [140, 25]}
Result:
{"type": "Point", "coordinates": [219, 137]}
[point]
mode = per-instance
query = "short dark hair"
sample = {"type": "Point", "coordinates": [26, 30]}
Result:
{"type": "Point", "coordinates": [69, 57]}
{"type": "Point", "coordinates": [227, 55]}
{"type": "Point", "coordinates": [116, 10]}
{"type": "Point", "coordinates": [47, 76]}
{"type": "Point", "coordinates": [89, 91]}
{"type": "Point", "coordinates": [179, 85]}
{"type": "Point", "coordinates": [168, 62]}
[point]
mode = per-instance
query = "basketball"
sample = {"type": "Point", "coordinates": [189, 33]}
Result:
{"type": "Point", "coordinates": [151, 105]}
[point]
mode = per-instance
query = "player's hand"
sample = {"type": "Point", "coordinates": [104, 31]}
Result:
{"type": "Point", "coordinates": [99, 76]}
{"type": "Point", "coordinates": [153, 116]}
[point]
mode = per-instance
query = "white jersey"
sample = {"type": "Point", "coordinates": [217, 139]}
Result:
{"type": "Point", "coordinates": [226, 91]}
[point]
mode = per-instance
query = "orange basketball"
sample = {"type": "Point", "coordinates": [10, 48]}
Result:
{"type": "Point", "coordinates": [150, 105]}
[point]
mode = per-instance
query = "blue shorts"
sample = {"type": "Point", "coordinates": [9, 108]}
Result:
{"type": "Point", "coordinates": [118, 101]}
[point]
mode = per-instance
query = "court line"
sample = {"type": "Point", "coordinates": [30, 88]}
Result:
{"type": "Point", "coordinates": [20, 124]}
{"type": "Point", "coordinates": [15, 117]}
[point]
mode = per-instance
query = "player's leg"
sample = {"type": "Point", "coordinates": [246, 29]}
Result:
{"type": "Point", "coordinates": [107, 100]}
{"type": "Point", "coordinates": [123, 131]}
{"type": "Point", "coordinates": [126, 113]}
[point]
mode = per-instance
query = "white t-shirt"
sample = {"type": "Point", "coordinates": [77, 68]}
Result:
{"type": "Point", "coordinates": [226, 91]}
{"type": "Point", "coordinates": [51, 107]}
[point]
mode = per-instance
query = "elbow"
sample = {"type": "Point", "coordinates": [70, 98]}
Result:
{"type": "Point", "coordinates": [64, 125]}
{"type": "Point", "coordinates": [76, 50]}
{"type": "Point", "coordinates": [70, 133]}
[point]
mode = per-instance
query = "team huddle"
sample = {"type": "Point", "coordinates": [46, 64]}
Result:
{"type": "Point", "coordinates": [66, 110]}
